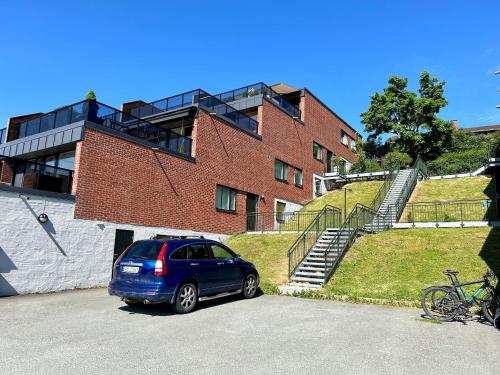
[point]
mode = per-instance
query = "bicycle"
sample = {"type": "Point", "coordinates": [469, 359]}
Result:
{"type": "Point", "coordinates": [445, 303]}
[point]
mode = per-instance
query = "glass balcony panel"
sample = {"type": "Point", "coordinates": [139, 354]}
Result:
{"type": "Point", "coordinates": [33, 127]}
{"type": "Point", "coordinates": [175, 102]}
{"type": "Point", "coordinates": [63, 117]}
{"type": "Point", "coordinates": [47, 122]}
{"type": "Point", "coordinates": [78, 112]}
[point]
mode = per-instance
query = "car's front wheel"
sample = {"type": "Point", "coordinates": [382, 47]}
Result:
{"type": "Point", "coordinates": [250, 286]}
{"type": "Point", "coordinates": [186, 300]}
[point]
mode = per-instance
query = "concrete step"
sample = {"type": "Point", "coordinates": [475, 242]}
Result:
{"type": "Point", "coordinates": [309, 280]}
{"type": "Point", "coordinates": [316, 274]}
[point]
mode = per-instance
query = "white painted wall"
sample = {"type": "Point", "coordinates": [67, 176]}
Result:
{"type": "Point", "coordinates": [64, 253]}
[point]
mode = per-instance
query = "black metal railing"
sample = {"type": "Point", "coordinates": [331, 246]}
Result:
{"type": "Point", "coordinates": [209, 102]}
{"type": "Point", "coordinates": [386, 186]}
{"type": "Point", "coordinates": [3, 135]}
{"type": "Point", "coordinates": [276, 221]}
{"type": "Point", "coordinates": [46, 177]}
{"type": "Point", "coordinates": [449, 211]}
{"type": "Point", "coordinates": [336, 166]}
{"type": "Point", "coordinates": [360, 218]}
{"type": "Point", "coordinates": [260, 89]}
{"type": "Point", "coordinates": [99, 113]}
{"type": "Point", "coordinates": [328, 217]}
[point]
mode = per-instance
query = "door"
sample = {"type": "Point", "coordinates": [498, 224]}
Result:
{"type": "Point", "coordinates": [251, 211]}
{"type": "Point", "coordinates": [230, 273]}
{"type": "Point", "coordinates": [123, 239]}
{"type": "Point", "coordinates": [204, 268]}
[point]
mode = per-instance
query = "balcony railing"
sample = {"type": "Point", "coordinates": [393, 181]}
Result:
{"type": "Point", "coordinates": [48, 178]}
{"type": "Point", "coordinates": [202, 98]}
{"type": "Point", "coordinates": [109, 117]}
{"type": "Point", "coordinates": [3, 135]}
{"type": "Point", "coordinates": [259, 89]}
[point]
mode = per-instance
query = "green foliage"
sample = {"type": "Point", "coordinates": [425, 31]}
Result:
{"type": "Point", "coordinates": [374, 148]}
{"type": "Point", "coordinates": [395, 157]}
{"type": "Point", "coordinates": [362, 163]}
{"type": "Point", "coordinates": [458, 162]}
{"type": "Point", "coordinates": [90, 95]}
{"type": "Point", "coordinates": [410, 117]}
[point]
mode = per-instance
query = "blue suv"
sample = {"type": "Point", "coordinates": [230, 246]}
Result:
{"type": "Point", "coordinates": [181, 272]}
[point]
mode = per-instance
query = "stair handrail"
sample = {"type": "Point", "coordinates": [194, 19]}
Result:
{"type": "Point", "coordinates": [357, 219]}
{"type": "Point", "coordinates": [386, 186]}
{"type": "Point", "coordinates": [317, 226]}
{"type": "Point", "coordinates": [394, 210]}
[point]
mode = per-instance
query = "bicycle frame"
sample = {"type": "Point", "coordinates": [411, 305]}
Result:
{"type": "Point", "coordinates": [458, 286]}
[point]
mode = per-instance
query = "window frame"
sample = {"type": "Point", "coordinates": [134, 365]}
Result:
{"type": "Point", "coordinates": [279, 214]}
{"type": "Point", "coordinates": [343, 135]}
{"type": "Point", "coordinates": [207, 249]}
{"type": "Point", "coordinates": [178, 249]}
{"type": "Point", "coordinates": [229, 251]}
{"type": "Point", "coordinates": [301, 184]}
{"type": "Point", "coordinates": [230, 192]}
{"type": "Point", "coordinates": [320, 148]}
{"type": "Point", "coordinates": [284, 171]}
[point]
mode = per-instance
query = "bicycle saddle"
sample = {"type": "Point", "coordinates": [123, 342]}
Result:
{"type": "Point", "coordinates": [451, 272]}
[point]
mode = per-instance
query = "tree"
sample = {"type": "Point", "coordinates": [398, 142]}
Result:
{"type": "Point", "coordinates": [90, 95]}
{"type": "Point", "coordinates": [410, 118]}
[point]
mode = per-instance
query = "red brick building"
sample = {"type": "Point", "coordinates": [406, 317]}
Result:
{"type": "Point", "coordinates": [192, 161]}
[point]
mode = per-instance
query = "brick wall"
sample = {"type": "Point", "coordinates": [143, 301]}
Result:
{"type": "Point", "coordinates": [126, 182]}
{"type": "Point", "coordinates": [6, 171]}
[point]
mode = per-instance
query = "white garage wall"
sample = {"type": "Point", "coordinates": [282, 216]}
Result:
{"type": "Point", "coordinates": [64, 253]}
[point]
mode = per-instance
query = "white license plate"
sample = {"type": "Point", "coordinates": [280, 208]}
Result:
{"type": "Point", "coordinates": [130, 269]}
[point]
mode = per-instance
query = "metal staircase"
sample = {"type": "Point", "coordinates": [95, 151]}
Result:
{"type": "Point", "coordinates": [320, 260]}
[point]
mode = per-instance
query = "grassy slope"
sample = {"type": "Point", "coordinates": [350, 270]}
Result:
{"type": "Point", "coordinates": [394, 265]}
{"type": "Point", "coordinates": [454, 189]}
{"type": "Point", "coordinates": [398, 264]}
{"type": "Point", "coordinates": [269, 253]}
{"type": "Point", "coordinates": [362, 192]}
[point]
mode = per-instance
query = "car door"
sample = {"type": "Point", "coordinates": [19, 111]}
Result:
{"type": "Point", "coordinates": [204, 268]}
{"type": "Point", "coordinates": [230, 272]}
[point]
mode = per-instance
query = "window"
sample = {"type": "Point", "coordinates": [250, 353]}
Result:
{"type": "Point", "coordinates": [280, 212]}
{"type": "Point", "coordinates": [317, 151]}
{"type": "Point", "coordinates": [225, 199]}
{"type": "Point", "coordinates": [343, 138]}
{"type": "Point", "coordinates": [220, 253]}
{"type": "Point", "coordinates": [198, 251]}
{"type": "Point", "coordinates": [353, 145]}
{"type": "Point", "coordinates": [67, 160]}
{"type": "Point", "coordinates": [297, 177]}
{"type": "Point", "coordinates": [280, 170]}
{"type": "Point", "coordinates": [147, 250]}
{"type": "Point", "coordinates": [179, 254]}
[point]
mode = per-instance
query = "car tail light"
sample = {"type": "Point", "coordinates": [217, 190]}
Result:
{"type": "Point", "coordinates": [160, 265]}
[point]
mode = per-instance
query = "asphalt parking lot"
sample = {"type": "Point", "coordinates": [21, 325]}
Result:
{"type": "Point", "coordinates": [89, 332]}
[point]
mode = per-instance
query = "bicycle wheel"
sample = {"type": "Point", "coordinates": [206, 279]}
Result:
{"type": "Point", "coordinates": [490, 308]}
{"type": "Point", "coordinates": [440, 303]}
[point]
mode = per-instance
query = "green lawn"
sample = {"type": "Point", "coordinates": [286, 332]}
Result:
{"type": "Point", "coordinates": [393, 266]}
{"type": "Point", "coordinates": [361, 192]}
{"type": "Point", "coordinates": [454, 189]}
{"type": "Point", "coordinates": [269, 253]}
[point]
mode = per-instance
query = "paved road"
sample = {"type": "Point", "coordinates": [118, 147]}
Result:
{"type": "Point", "coordinates": [88, 332]}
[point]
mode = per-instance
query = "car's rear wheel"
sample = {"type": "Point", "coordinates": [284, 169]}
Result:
{"type": "Point", "coordinates": [186, 300]}
{"type": "Point", "coordinates": [250, 286]}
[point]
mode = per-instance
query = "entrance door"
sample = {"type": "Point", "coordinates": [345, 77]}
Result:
{"type": "Point", "coordinates": [123, 238]}
{"type": "Point", "coordinates": [252, 203]}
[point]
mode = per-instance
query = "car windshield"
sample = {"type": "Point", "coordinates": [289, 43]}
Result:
{"type": "Point", "coordinates": [144, 250]}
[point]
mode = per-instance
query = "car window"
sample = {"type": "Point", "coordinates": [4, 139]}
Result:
{"type": "Point", "coordinates": [143, 250]}
{"type": "Point", "coordinates": [221, 253]}
{"type": "Point", "coordinates": [198, 251]}
{"type": "Point", "coordinates": [179, 254]}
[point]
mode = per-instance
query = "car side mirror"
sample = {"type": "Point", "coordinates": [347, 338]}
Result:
{"type": "Point", "coordinates": [237, 257]}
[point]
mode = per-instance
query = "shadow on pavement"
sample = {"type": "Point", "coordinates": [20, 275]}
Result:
{"type": "Point", "coordinates": [165, 309]}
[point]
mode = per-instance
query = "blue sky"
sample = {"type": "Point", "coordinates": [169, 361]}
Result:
{"type": "Point", "coordinates": [52, 53]}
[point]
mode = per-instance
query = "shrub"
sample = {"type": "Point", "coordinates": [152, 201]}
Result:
{"type": "Point", "coordinates": [90, 95]}
{"type": "Point", "coordinates": [458, 162]}
{"type": "Point", "coordinates": [392, 158]}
